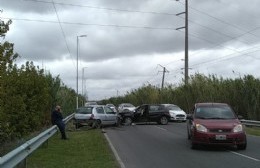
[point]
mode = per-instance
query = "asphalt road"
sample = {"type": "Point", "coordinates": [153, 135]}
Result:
{"type": "Point", "coordinates": [166, 146]}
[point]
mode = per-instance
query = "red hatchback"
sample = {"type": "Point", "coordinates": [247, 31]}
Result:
{"type": "Point", "coordinates": [215, 124]}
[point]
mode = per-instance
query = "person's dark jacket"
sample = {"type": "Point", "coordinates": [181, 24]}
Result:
{"type": "Point", "coordinates": [56, 117]}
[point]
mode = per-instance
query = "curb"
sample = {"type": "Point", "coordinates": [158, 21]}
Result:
{"type": "Point", "coordinates": [114, 150]}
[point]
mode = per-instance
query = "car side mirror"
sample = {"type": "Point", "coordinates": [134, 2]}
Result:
{"type": "Point", "coordinates": [240, 117]}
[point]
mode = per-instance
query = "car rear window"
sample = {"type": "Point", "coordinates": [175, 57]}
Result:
{"type": "Point", "coordinates": [222, 112]}
{"type": "Point", "coordinates": [87, 110]}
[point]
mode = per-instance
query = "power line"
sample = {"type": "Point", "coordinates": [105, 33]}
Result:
{"type": "Point", "coordinates": [63, 33]}
{"type": "Point", "coordinates": [105, 8]}
{"type": "Point", "coordinates": [224, 58]}
{"type": "Point", "coordinates": [220, 20]}
{"type": "Point", "coordinates": [135, 11]}
{"type": "Point", "coordinates": [91, 24]}
{"type": "Point", "coordinates": [240, 52]}
{"type": "Point", "coordinates": [146, 27]}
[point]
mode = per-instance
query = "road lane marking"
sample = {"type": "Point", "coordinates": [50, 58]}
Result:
{"type": "Point", "coordinates": [161, 128]}
{"type": "Point", "coordinates": [114, 151]}
{"type": "Point", "coordinates": [245, 156]}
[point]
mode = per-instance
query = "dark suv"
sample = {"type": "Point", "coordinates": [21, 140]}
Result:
{"type": "Point", "coordinates": [215, 124]}
{"type": "Point", "coordinates": [147, 113]}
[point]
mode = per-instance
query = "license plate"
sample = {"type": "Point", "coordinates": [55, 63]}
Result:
{"type": "Point", "coordinates": [221, 137]}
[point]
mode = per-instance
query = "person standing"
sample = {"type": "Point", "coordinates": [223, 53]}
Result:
{"type": "Point", "coordinates": [57, 119]}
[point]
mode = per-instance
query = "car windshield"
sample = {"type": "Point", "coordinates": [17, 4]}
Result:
{"type": "Point", "coordinates": [174, 108]}
{"type": "Point", "coordinates": [87, 110]}
{"type": "Point", "coordinates": [91, 103]}
{"type": "Point", "coordinates": [223, 112]}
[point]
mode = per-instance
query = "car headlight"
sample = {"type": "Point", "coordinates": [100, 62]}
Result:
{"type": "Point", "coordinates": [238, 128]}
{"type": "Point", "coordinates": [172, 114]}
{"type": "Point", "coordinates": [201, 128]}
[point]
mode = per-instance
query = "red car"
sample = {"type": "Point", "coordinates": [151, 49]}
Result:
{"type": "Point", "coordinates": [215, 124]}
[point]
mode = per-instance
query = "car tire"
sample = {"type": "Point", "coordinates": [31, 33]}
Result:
{"type": "Point", "coordinates": [193, 145]}
{"type": "Point", "coordinates": [118, 122]}
{"type": "Point", "coordinates": [242, 146]}
{"type": "Point", "coordinates": [189, 136]}
{"type": "Point", "coordinates": [96, 124]}
{"type": "Point", "coordinates": [128, 120]}
{"type": "Point", "coordinates": [164, 120]}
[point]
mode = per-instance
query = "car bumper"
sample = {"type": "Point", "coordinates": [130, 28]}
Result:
{"type": "Point", "coordinates": [178, 118]}
{"type": "Point", "coordinates": [84, 121]}
{"type": "Point", "coordinates": [219, 139]}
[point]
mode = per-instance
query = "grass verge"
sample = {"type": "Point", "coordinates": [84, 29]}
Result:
{"type": "Point", "coordinates": [85, 148]}
{"type": "Point", "coordinates": [253, 131]}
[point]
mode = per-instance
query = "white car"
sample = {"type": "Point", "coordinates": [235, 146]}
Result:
{"type": "Point", "coordinates": [112, 106]}
{"type": "Point", "coordinates": [95, 116]}
{"type": "Point", "coordinates": [176, 113]}
{"type": "Point", "coordinates": [126, 107]}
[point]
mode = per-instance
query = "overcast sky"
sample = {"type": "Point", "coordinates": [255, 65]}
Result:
{"type": "Point", "coordinates": [129, 41]}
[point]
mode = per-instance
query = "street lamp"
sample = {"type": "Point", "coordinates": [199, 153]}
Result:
{"type": "Point", "coordinates": [77, 97]}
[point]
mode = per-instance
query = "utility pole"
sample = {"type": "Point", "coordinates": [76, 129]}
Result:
{"type": "Point", "coordinates": [186, 59]}
{"type": "Point", "coordinates": [164, 70]}
{"type": "Point", "coordinates": [77, 79]}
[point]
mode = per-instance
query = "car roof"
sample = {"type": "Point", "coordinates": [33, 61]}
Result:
{"type": "Point", "coordinates": [210, 104]}
{"type": "Point", "coordinates": [94, 105]}
{"type": "Point", "coordinates": [168, 104]}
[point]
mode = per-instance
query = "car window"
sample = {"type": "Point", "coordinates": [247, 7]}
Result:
{"type": "Point", "coordinates": [109, 110]}
{"type": "Point", "coordinates": [100, 110]}
{"type": "Point", "coordinates": [154, 108]}
{"type": "Point", "coordinates": [90, 103]}
{"type": "Point", "coordinates": [84, 110]}
{"type": "Point", "coordinates": [140, 109]}
{"type": "Point", "coordinates": [214, 113]}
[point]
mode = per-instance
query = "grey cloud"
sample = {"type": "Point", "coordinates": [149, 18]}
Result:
{"type": "Point", "coordinates": [26, 6]}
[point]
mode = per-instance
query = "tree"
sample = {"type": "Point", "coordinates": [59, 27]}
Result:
{"type": "Point", "coordinates": [7, 56]}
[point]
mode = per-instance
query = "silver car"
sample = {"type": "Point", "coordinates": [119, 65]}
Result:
{"type": "Point", "coordinates": [126, 107]}
{"type": "Point", "coordinates": [95, 116]}
{"type": "Point", "coordinates": [112, 106]}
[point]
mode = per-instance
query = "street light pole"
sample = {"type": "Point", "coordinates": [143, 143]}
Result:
{"type": "Point", "coordinates": [77, 80]}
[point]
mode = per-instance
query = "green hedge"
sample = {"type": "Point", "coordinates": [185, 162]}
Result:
{"type": "Point", "coordinates": [243, 94]}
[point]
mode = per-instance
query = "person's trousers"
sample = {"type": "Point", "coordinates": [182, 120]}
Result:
{"type": "Point", "coordinates": [61, 127]}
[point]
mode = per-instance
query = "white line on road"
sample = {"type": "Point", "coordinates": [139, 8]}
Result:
{"type": "Point", "coordinates": [245, 156]}
{"type": "Point", "coordinates": [114, 150]}
{"type": "Point", "coordinates": [161, 128]}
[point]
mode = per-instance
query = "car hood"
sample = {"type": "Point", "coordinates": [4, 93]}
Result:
{"type": "Point", "coordinates": [230, 123]}
{"type": "Point", "coordinates": [129, 108]}
{"type": "Point", "coordinates": [177, 112]}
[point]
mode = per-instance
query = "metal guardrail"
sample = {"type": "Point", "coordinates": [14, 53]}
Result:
{"type": "Point", "coordinates": [251, 123]}
{"type": "Point", "coordinates": [14, 157]}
